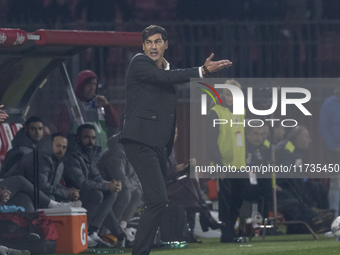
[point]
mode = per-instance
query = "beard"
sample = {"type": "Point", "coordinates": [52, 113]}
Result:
{"type": "Point", "coordinates": [88, 149]}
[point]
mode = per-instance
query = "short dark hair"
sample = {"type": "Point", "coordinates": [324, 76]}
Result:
{"type": "Point", "coordinates": [32, 119]}
{"type": "Point", "coordinates": [57, 134]}
{"type": "Point", "coordinates": [295, 132]}
{"type": "Point", "coordinates": [152, 30]}
{"type": "Point", "coordinates": [84, 126]}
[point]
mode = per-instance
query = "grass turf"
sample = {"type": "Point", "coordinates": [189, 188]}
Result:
{"type": "Point", "coordinates": [284, 244]}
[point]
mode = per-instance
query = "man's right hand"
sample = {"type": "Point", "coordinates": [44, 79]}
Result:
{"type": "Point", "coordinates": [112, 185]}
{"type": "Point", "coordinates": [73, 194]}
{"type": "Point", "coordinates": [5, 194]}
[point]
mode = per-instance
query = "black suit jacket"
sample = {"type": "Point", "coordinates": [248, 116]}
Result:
{"type": "Point", "coordinates": [151, 101]}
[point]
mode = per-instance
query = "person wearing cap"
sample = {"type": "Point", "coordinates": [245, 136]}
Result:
{"type": "Point", "coordinates": [95, 109]}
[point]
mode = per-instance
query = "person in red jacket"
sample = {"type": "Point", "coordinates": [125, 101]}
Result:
{"type": "Point", "coordinates": [95, 109]}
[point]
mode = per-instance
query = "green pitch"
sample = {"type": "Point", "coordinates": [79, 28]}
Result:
{"type": "Point", "coordinates": [284, 244]}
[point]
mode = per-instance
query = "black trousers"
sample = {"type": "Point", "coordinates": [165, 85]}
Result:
{"type": "Point", "coordinates": [98, 204]}
{"type": "Point", "coordinates": [230, 198]}
{"type": "Point", "coordinates": [149, 162]}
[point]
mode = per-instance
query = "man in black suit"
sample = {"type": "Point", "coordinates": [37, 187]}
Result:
{"type": "Point", "coordinates": [149, 125]}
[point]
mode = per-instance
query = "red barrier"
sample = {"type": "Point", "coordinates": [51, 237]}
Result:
{"type": "Point", "coordinates": [10, 37]}
{"type": "Point", "coordinates": [88, 38]}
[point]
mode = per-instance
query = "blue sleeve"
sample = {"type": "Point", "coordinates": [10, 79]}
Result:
{"type": "Point", "coordinates": [324, 125]}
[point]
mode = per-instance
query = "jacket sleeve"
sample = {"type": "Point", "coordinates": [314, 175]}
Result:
{"type": "Point", "coordinates": [112, 119]}
{"type": "Point", "coordinates": [144, 69]}
{"type": "Point", "coordinates": [131, 181]}
{"type": "Point", "coordinates": [48, 188]}
{"type": "Point", "coordinates": [112, 165]}
{"type": "Point", "coordinates": [11, 161]}
{"type": "Point", "coordinates": [213, 133]}
{"type": "Point", "coordinates": [64, 121]}
{"type": "Point", "coordinates": [324, 126]}
{"type": "Point", "coordinates": [23, 167]}
{"type": "Point", "coordinates": [74, 176]}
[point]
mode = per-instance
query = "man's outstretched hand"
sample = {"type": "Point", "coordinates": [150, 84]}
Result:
{"type": "Point", "coordinates": [214, 66]}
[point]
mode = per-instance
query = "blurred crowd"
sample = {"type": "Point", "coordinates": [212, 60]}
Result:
{"type": "Point", "coordinates": [54, 13]}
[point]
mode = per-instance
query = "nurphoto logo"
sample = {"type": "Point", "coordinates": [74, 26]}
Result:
{"type": "Point", "coordinates": [238, 104]}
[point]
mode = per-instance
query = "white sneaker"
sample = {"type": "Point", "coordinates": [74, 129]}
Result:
{"type": "Point", "coordinates": [329, 234]}
{"type": "Point", "coordinates": [18, 252]}
{"type": "Point", "coordinates": [77, 203]}
{"type": "Point", "coordinates": [71, 204]}
{"type": "Point", "coordinates": [94, 236]}
{"type": "Point", "coordinates": [91, 242]}
{"type": "Point", "coordinates": [130, 234]}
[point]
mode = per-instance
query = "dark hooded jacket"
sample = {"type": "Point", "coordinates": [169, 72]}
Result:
{"type": "Point", "coordinates": [113, 164]}
{"type": "Point", "coordinates": [22, 145]}
{"type": "Point", "coordinates": [287, 154]}
{"type": "Point", "coordinates": [89, 111]}
{"type": "Point", "coordinates": [50, 173]}
{"type": "Point", "coordinates": [81, 168]}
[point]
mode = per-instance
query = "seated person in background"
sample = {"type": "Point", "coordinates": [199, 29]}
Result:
{"type": "Point", "coordinates": [8, 251]}
{"type": "Point", "coordinates": [51, 169]}
{"type": "Point", "coordinates": [4, 197]}
{"type": "Point", "coordinates": [97, 195]}
{"type": "Point", "coordinates": [294, 194]}
{"type": "Point", "coordinates": [13, 186]}
{"type": "Point", "coordinates": [17, 190]}
{"type": "Point", "coordinates": [278, 133]}
{"type": "Point", "coordinates": [185, 193]}
{"type": "Point", "coordinates": [9, 188]}
{"type": "Point", "coordinates": [25, 140]}
{"type": "Point", "coordinates": [95, 109]}
{"type": "Point", "coordinates": [113, 165]}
